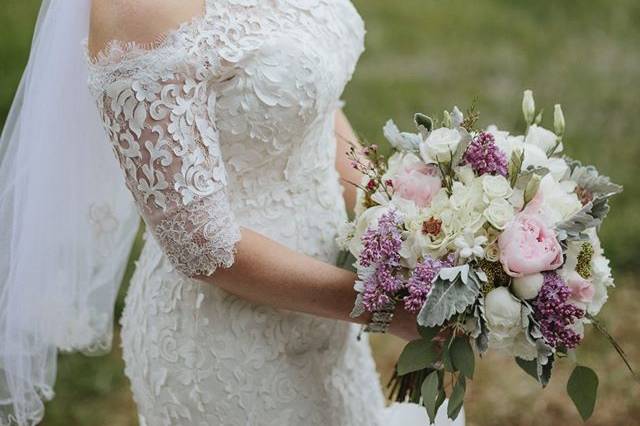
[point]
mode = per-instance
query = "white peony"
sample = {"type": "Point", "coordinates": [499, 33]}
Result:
{"type": "Point", "coordinates": [527, 287]}
{"type": "Point", "coordinates": [499, 213]}
{"type": "Point", "coordinates": [544, 139]}
{"type": "Point", "coordinates": [440, 145]}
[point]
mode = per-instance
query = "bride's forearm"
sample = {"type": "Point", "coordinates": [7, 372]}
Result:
{"type": "Point", "coordinates": [266, 272]}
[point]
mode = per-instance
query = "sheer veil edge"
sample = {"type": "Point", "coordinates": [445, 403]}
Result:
{"type": "Point", "coordinates": [67, 222]}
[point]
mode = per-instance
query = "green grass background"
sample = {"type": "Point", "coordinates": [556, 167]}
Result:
{"type": "Point", "coordinates": [426, 55]}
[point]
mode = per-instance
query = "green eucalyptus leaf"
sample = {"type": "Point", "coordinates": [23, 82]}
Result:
{"type": "Point", "coordinates": [430, 392]}
{"type": "Point", "coordinates": [442, 397]}
{"type": "Point", "coordinates": [462, 356]}
{"type": "Point", "coordinates": [583, 389]}
{"type": "Point", "coordinates": [428, 333]}
{"type": "Point", "coordinates": [457, 399]}
{"type": "Point", "coordinates": [446, 357]}
{"type": "Point", "coordinates": [416, 355]}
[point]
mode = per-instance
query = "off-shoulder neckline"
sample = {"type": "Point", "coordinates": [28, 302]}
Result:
{"type": "Point", "coordinates": [117, 52]}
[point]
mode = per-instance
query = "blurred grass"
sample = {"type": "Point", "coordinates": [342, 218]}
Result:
{"type": "Point", "coordinates": [426, 55]}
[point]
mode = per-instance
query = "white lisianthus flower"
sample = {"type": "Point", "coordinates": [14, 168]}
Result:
{"type": "Point", "coordinates": [499, 213]}
{"type": "Point", "coordinates": [534, 156]}
{"type": "Point", "coordinates": [503, 313]}
{"type": "Point", "coordinates": [558, 168]}
{"type": "Point", "coordinates": [558, 119]}
{"type": "Point", "coordinates": [440, 145]}
{"type": "Point", "coordinates": [527, 287]}
{"type": "Point", "coordinates": [528, 106]}
{"type": "Point", "coordinates": [506, 142]}
{"type": "Point", "coordinates": [495, 187]}
{"type": "Point", "coordinates": [469, 245]}
{"type": "Point", "coordinates": [544, 139]}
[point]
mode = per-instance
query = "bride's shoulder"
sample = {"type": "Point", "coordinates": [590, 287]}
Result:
{"type": "Point", "coordinates": [139, 21]}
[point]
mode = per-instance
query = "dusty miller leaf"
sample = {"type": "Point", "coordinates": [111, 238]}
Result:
{"type": "Point", "coordinates": [453, 291]}
{"type": "Point", "coordinates": [588, 177]}
{"type": "Point", "coordinates": [590, 216]}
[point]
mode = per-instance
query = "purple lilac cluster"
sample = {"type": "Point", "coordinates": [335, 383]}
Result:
{"type": "Point", "coordinates": [381, 251]}
{"type": "Point", "coordinates": [419, 285]}
{"type": "Point", "coordinates": [484, 156]}
{"type": "Point", "coordinates": [555, 314]}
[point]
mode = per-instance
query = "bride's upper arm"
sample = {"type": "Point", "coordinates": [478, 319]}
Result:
{"type": "Point", "coordinates": [139, 21]}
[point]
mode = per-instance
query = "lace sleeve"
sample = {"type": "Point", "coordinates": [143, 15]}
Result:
{"type": "Point", "coordinates": [164, 136]}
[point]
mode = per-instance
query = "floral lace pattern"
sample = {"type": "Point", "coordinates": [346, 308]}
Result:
{"type": "Point", "coordinates": [229, 122]}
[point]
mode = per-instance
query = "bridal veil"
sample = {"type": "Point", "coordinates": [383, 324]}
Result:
{"type": "Point", "coordinates": [65, 227]}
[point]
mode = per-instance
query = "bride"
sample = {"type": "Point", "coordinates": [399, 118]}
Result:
{"type": "Point", "coordinates": [224, 117]}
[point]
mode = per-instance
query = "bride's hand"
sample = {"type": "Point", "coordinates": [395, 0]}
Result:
{"type": "Point", "coordinates": [404, 324]}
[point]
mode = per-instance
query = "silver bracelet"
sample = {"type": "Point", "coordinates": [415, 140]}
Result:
{"type": "Point", "coordinates": [381, 319]}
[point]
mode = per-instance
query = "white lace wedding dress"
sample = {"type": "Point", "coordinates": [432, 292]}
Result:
{"type": "Point", "coordinates": [229, 122]}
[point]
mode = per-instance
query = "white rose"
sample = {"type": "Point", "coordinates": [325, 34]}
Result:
{"type": "Point", "coordinates": [440, 145]}
{"type": "Point", "coordinates": [502, 311]}
{"type": "Point", "coordinates": [544, 139]}
{"type": "Point", "coordinates": [499, 213]}
{"type": "Point", "coordinates": [527, 287]}
{"type": "Point", "coordinates": [495, 187]}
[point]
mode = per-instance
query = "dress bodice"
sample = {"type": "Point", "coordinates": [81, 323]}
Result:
{"type": "Point", "coordinates": [228, 121]}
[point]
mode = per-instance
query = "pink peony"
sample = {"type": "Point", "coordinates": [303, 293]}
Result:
{"type": "Point", "coordinates": [417, 182]}
{"type": "Point", "coordinates": [582, 291]}
{"type": "Point", "coordinates": [527, 247]}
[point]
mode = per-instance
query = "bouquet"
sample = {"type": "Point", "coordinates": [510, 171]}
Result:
{"type": "Point", "coordinates": [491, 239]}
